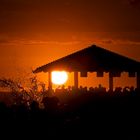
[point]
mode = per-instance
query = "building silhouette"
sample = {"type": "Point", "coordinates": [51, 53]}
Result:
{"type": "Point", "coordinates": [94, 59]}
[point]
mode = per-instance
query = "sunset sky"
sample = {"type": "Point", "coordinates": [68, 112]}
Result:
{"type": "Point", "coordinates": [35, 32]}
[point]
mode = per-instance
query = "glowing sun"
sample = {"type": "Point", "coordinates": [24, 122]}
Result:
{"type": "Point", "coordinates": [59, 77]}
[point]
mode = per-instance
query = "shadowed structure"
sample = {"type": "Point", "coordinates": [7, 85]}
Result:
{"type": "Point", "coordinates": [94, 59]}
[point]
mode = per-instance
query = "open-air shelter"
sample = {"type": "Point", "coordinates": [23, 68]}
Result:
{"type": "Point", "coordinates": [93, 59]}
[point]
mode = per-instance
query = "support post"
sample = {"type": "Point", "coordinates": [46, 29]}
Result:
{"type": "Point", "coordinates": [76, 79]}
{"type": "Point", "coordinates": [110, 81]}
{"type": "Point", "coordinates": [138, 80]}
{"type": "Point", "coordinates": [50, 81]}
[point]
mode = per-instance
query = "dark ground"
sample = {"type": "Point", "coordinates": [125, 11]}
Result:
{"type": "Point", "coordinates": [81, 116]}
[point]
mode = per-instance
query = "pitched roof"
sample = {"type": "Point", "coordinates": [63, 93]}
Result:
{"type": "Point", "coordinates": [92, 59]}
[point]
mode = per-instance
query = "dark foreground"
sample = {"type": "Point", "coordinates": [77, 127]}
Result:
{"type": "Point", "coordinates": [83, 115]}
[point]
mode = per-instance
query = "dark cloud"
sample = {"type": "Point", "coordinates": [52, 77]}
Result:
{"type": "Point", "coordinates": [4, 41]}
{"type": "Point", "coordinates": [134, 2]}
{"type": "Point", "coordinates": [42, 16]}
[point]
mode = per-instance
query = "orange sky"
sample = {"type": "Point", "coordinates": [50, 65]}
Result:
{"type": "Point", "coordinates": [35, 32]}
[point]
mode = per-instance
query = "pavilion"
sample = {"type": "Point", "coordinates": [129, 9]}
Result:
{"type": "Point", "coordinates": [93, 59]}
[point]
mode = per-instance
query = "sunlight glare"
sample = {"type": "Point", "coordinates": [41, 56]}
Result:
{"type": "Point", "coordinates": [59, 77]}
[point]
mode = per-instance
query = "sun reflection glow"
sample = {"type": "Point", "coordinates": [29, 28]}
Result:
{"type": "Point", "coordinates": [59, 77]}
